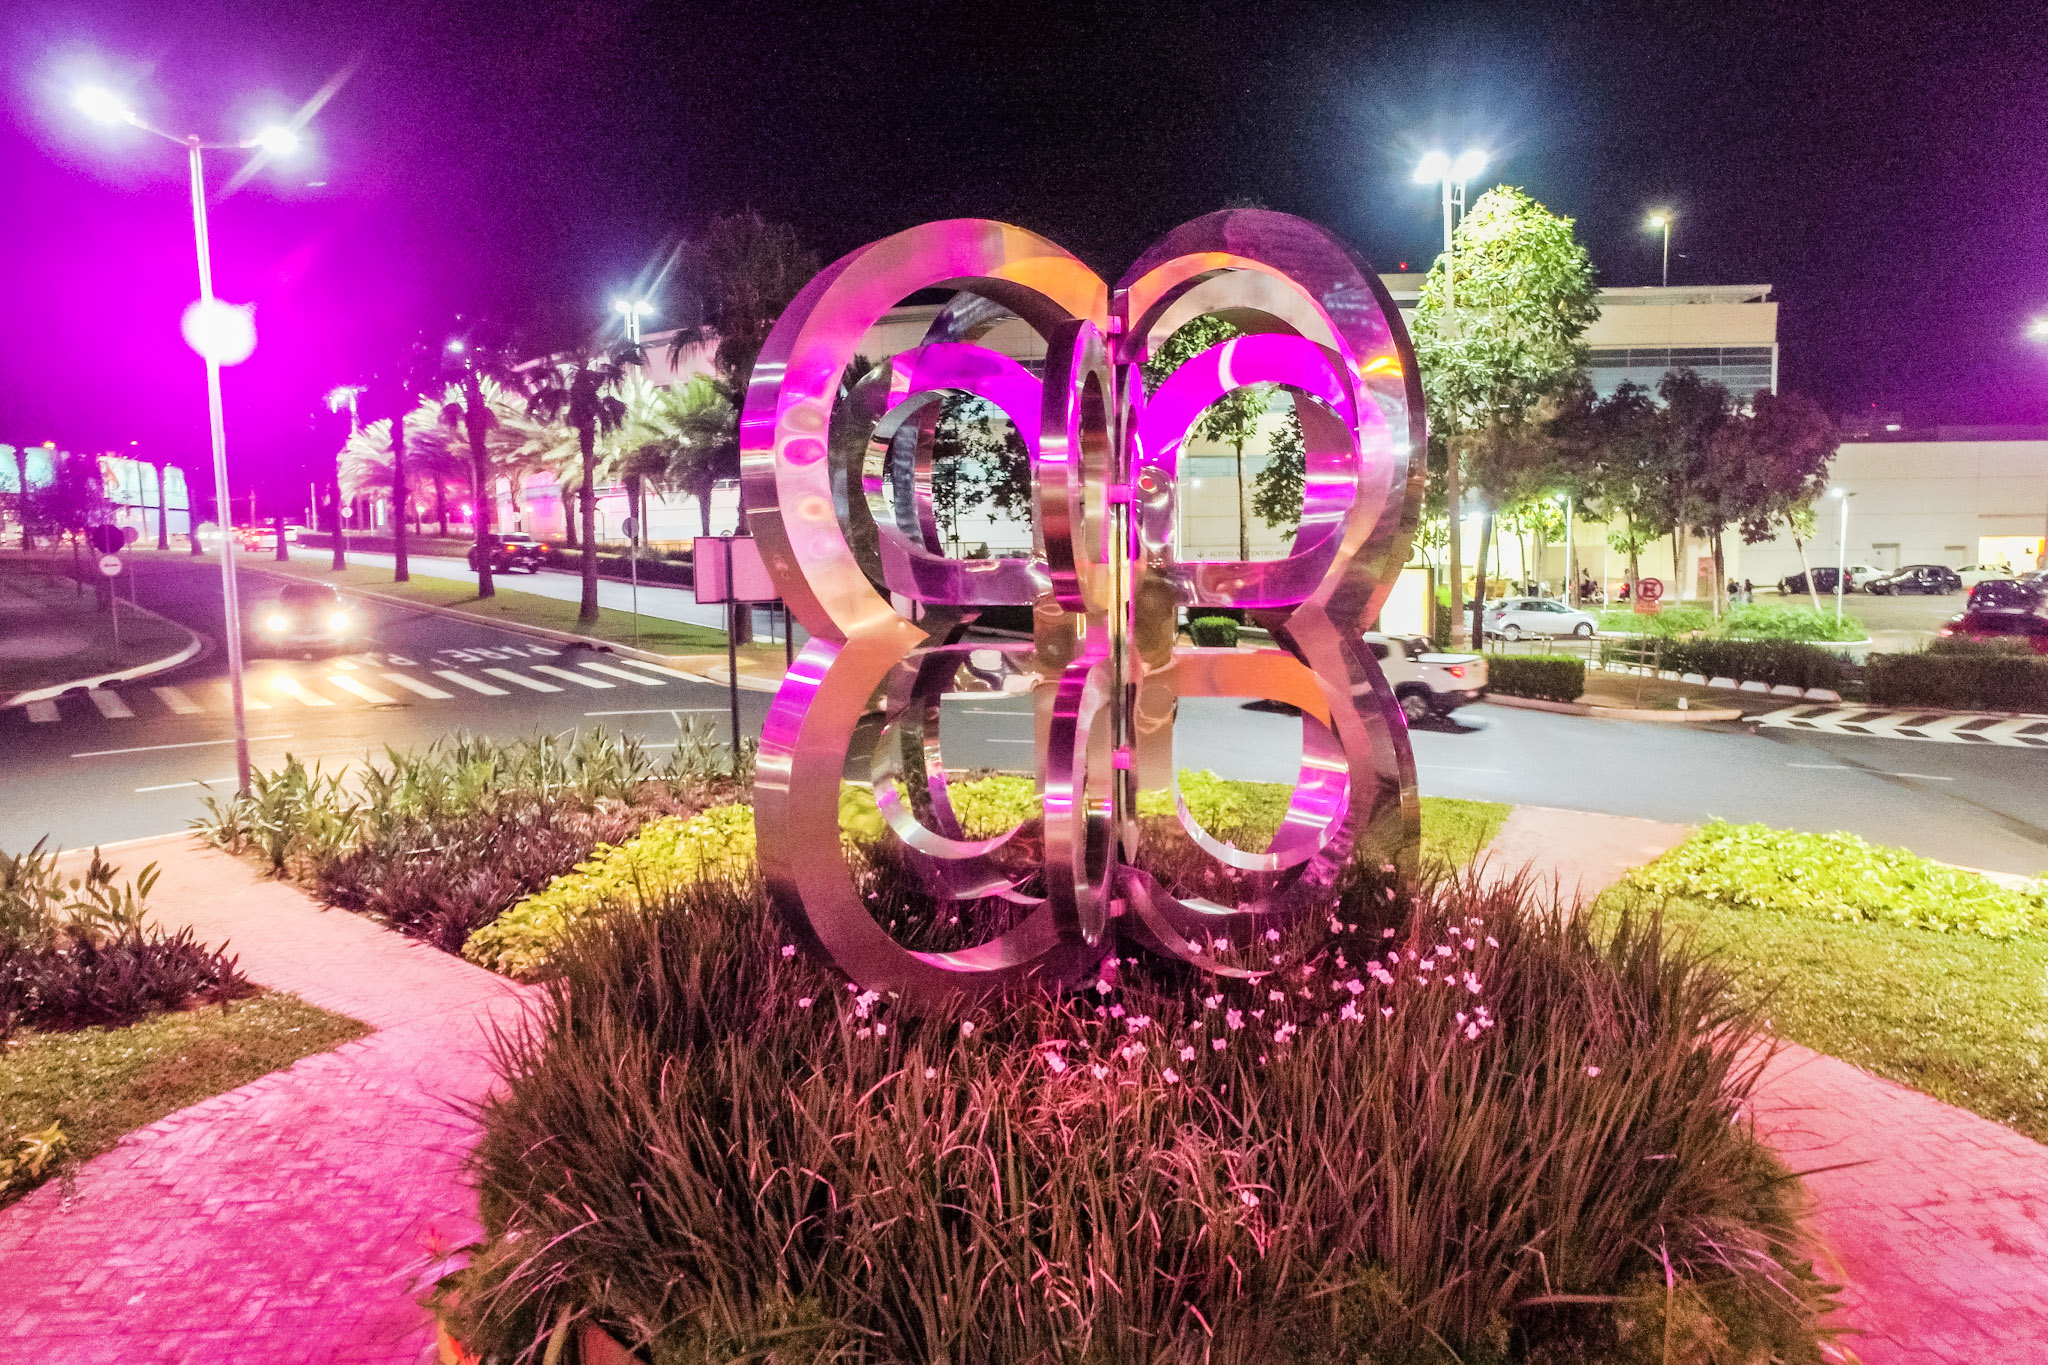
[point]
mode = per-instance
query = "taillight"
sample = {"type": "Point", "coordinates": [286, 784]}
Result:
{"type": "Point", "coordinates": [1457, 670]}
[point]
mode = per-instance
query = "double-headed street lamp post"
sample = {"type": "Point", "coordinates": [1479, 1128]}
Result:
{"type": "Point", "coordinates": [1661, 220]}
{"type": "Point", "coordinates": [223, 335]}
{"type": "Point", "coordinates": [1842, 551]}
{"type": "Point", "coordinates": [633, 310]}
{"type": "Point", "coordinates": [1439, 168]}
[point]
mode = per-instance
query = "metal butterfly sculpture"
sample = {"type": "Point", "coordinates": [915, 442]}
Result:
{"type": "Point", "coordinates": [886, 609]}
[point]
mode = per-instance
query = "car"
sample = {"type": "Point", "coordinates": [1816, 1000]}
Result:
{"type": "Point", "coordinates": [1824, 579]}
{"type": "Point", "coordinates": [1927, 579]}
{"type": "Point", "coordinates": [307, 616]}
{"type": "Point", "coordinates": [2028, 628]}
{"type": "Point", "coordinates": [1511, 618]}
{"type": "Point", "coordinates": [2005, 594]}
{"type": "Point", "coordinates": [1425, 682]}
{"type": "Point", "coordinates": [512, 550]}
{"type": "Point", "coordinates": [1973, 574]}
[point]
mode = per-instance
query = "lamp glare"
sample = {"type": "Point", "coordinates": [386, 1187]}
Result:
{"type": "Point", "coordinates": [1435, 167]}
{"type": "Point", "coordinates": [277, 140]}
{"type": "Point", "coordinates": [101, 105]}
{"type": "Point", "coordinates": [1468, 165]}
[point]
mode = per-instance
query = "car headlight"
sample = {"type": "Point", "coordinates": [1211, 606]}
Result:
{"type": "Point", "coordinates": [277, 623]}
{"type": "Point", "coordinates": [338, 621]}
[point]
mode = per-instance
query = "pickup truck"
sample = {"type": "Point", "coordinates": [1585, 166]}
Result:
{"type": "Point", "coordinates": [1425, 682]}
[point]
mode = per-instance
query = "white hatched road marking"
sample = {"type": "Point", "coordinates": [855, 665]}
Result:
{"type": "Point", "coordinates": [176, 699]}
{"type": "Point", "coordinates": [361, 689]}
{"type": "Point", "coordinates": [630, 677]}
{"type": "Point", "coordinates": [464, 680]}
{"type": "Point", "coordinates": [42, 712]}
{"type": "Point", "coordinates": [1926, 727]}
{"type": "Point", "coordinates": [110, 705]}
{"type": "Point", "coordinates": [427, 690]}
{"type": "Point", "coordinates": [521, 680]}
{"type": "Point", "coordinates": [664, 670]}
{"type": "Point", "coordinates": [573, 677]}
{"type": "Point", "coordinates": [291, 688]}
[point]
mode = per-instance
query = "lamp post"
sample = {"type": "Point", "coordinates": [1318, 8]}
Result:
{"type": "Point", "coordinates": [223, 335]}
{"type": "Point", "coordinates": [633, 310]}
{"type": "Point", "coordinates": [1841, 551]}
{"type": "Point", "coordinates": [1440, 169]}
{"type": "Point", "coordinates": [1661, 220]}
{"type": "Point", "coordinates": [1570, 579]}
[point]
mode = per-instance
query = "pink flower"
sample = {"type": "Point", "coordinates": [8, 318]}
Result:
{"type": "Point", "coordinates": [1276, 996]}
{"type": "Point", "coordinates": [1283, 1033]}
{"type": "Point", "coordinates": [1471, 983]}
{"type": "Point", "coordinates": [1336, 925]}
{"type": "Point", "coordinates": [1355, 986]}
{"type": "Point", "coordinates": [1350, 1011]}
{"type": "Point", "coordinates": [1492, 942]}
{"type": "Point", "coordinates": [1386, 933]}
{"type": "Point", "coordinates": [1470, 945]}
{"type": "Point", "coordinates": [881, 1029]}
{"type": "Point", "coordinates": [1132, 1051]}
{"type": "Point", "coordinates": [1234, 1018]}
{"type": "Point", "coordinates": [930, 1072]}
{"type": "Point", "coordinates": [1170, 1076]}
{"type": "Point", "coordinates": [1187, 1054]}
{"type": "Point", "coordinates": [1102, 987]}
{"type": "Point", "coordinates": [789, 950]}
{"type": "Point", "coordinates": [1471, 1031]}
{"type": "Point", "coordinates": [1116, 1011]}
{"type": "Point", "coordinates": [1210, 1002]}
{"type": "Point", "coordinates": [804, 1003]}
{"type": "Point", "coordinates": [1099, 1071]}
{"type": "Point", "coordinates": [863, 1032]}
{"type": "Point", "coordinates": [1258, 1014]}
{"type": "Point", "coordinates": [1054, 1062]}
{"type": "Point", "coordinates": [1216, 1044]}
{"type": "Point", "coordinates": [1592, 1071]}
{"type": "Point", "coordinates": [1387, 1010]}
{"type": "Point", "coordinates": [1248, 1199]}
{"type": "Point", "coordinates": [1221, 945]}
{"type": "Point", "coordinates": [966, 1028]}
{"type": "Point", "coordinates": [1272, 936]}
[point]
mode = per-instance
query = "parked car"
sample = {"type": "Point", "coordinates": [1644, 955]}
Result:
{"type": "Point", "coordinates": [2005, 594]}
{"type": "Point", "coordinates": [513, 550]}
{"type": "Point", "coordinates": [306, 616]}
{"type": "Point", "coordinates": [1926, 579]}
{"type": "Point", "coordinates": [1513, 617]}
{"type": "Point", "coordinates": [1989, 627]}
{"type": "Point", "coordinates": [1973, 574]}
{"type": "Point", "coordinates": [1425, 682]}
{"type": "Point", "coordinates": [1824, 579]}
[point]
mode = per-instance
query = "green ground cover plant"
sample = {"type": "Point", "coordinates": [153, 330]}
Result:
{"type": "Point", "coordinates": [67, 1097]}
{"type": "Point", "coordinates": [716, 1150]}
{"type": "Point", "coordinates": [1840, 878]}
{"type": "Point", "coordinates": [1742, 621]}
{"type": "Point", "coordinates": [1546, 677]}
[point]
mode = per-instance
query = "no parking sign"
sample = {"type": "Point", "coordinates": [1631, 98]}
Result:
{"type": "Point", "coordinates": [1648, 596]}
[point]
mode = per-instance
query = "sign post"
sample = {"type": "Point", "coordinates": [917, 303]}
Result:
{"type": "Point", "coordinates": [110, 566]}
{"type": "Point", "coordinates": [631, 527]}
{"type": "Point", "coordinates": [729, 569]}
{"type": "Point", "coordinates": [1649, 600]}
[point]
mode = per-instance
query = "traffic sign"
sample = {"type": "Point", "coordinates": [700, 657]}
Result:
{"type": "Point", "coordinates": [105, 537]}
{"type": "Point", "coordinates": [110, 565]}
{"type": "Point", "coordinates": [1650, 588]}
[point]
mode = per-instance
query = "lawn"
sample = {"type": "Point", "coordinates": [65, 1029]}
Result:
{"type": "Point", "coordinates": [1454, 831]}
{"type": "Point", "coordinates": [100, 1083]}
{"type": "Point", "coordinates": [51, 632]}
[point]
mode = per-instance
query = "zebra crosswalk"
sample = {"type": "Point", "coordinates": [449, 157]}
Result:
{"type": "Point", "coordinates": [1931, 727]}
{"type": "Point", "coordinates": [348, 684]}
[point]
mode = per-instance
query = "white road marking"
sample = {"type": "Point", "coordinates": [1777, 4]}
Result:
{"type": "Point", "coordinates": [1822, 767]}
{"type": "Point", "coordinates": [110, 704]}
{"type": "Point", "coordinates": [1922, 777]}
{"type": "Point", "coordinates": [158, 748]}
{"type": "Point", "coordinates": [42, 712]}
{"type": "Point", "coordinates": [291, 688]}
{"type": "Point", "coordinates": [412, 684]}
{"type": "Point", "coordinates": [665, 671]}
{"type": "Point", "coordinates": [573, 677]}
{"type": "Point", "coordinates": [986, 740]}
{"type": "Point", "coordinates": [463, 680]}
{"type": "Point", "coordinates": [177, 701]}
{"type": "Point", "coordinates": [611, 672]}
{"type": "Point", "coordinates": [250, 701]}
{"type": "Point", "coordinates": [361, 689]}
{"type": "Point", "coordinates": [1923, 726]}
{"type": "Point", "coordinates": [173, 786]}
{"type": "Point", "coordinates": [521, 680]}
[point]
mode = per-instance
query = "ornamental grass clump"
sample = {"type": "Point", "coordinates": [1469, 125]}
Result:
{"type": "Point", "coordinates": [1439, 1128]}
{"type": "Point", "coordinates": [1842, 878]}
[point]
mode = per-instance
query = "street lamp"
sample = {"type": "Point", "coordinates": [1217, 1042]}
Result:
{"type": "Point", "coordinates": [1841, 551]}
{"type": "Point", "coordinates": [1661, 221]}
{"type": "Point", "coordinates": [223, 334]}
{"type": "Point", "coordinates": [633, 310]}
{"type": "Point", "coordinates": [1570, 579]}
{"type": "Point", "coordinates": [1438, 168]}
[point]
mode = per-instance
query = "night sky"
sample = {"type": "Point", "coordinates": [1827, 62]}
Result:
{"type": "Point", "coordinates": [1884, 166]}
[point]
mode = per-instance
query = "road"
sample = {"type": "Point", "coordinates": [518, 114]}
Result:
{"type": "Point", "coordinates": [95, 774]}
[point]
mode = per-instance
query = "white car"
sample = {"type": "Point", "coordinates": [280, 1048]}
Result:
{"type": "Point", "coordinates": [1514, 617]}
{"type": "Point", "coordinates": [1973, 574]}
{"type": "Point", "coordinates": [1425, 682]}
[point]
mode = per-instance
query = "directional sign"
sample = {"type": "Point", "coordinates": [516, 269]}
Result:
{"type": "Point", "coordinates": [110, 565]}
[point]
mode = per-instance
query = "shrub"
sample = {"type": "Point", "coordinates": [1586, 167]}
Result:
{"type": "Point", "coordinates": [1773, 662]}
{"type": "Point", "coordinates": [1675, 618]}
{"type": "Point", "coordinates": [1968, 679]}
{"type": "Point", "coordinates": [1213, 632]}
{"type": "Point", "coordinates": [1840, 877]}
{"type": "Point", "coordinates": [1548, 677]}
{"type": "Point", "coordinates": [715, 1152]}
{"type": "Point", "coordinates": [1767, 621]}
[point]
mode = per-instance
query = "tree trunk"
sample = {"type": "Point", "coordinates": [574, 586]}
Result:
{"type": "Point", "coordinates": [22, 499]}
{"type": "Point", "coordinates": [1456, 551]}
{"type": "Point", "coordinates": [1479, 577]}
{"type": "Point", "coordinates": [701, 491]}
{"type": "Point", "coordinates": [163, 509]}
{"type": "Point", "coordinates": [401, 499]}
{"type": "Point", "coordinates": [586, 438]}
{"type": "Point", "coordinates": [1720, 572]}
{"type": "Point", "coordinates": [1805, 569]}
{"type": "Point", "coordinates": [571, 538]}
{"type": "Point", "coordinates": [340, 536]}
{"type": "Point", "coordinates": [479, 482]}
{"type": "Point", "coordinates": [1677, 563]}
{"type": "Point", "coordinates": [441, 504]}
{"type": "Point", "coordinates": [1244, 539]}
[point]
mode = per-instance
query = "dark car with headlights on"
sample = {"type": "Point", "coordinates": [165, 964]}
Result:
{"type": "Point", "coordinates": [1932, 580]}
{"type": "Point", "coordinates": [305, 617]}
{"type": "Point", "coordinates": [511, 551]}
{"type": "Point", "coordinates": [2025, 629]}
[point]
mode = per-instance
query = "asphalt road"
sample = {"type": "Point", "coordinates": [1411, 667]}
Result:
{"type": "Point", "coordinates": [90, 776]}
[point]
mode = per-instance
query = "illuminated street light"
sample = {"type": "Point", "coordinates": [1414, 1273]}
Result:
{"type": "Point", "coordinates": [2038, 329]}
{"type": "Point", "coordinates": [222, 334]}
{"type": "Point", "coordinates": [1841, 551]}
{"type": "Point", "coordinates": [632, 310]}
{"type": "Point", "coordinates": [1437, 168]}
{"type": "Point", "coordinates": [456, 346]}
{"type": "Point", "coordinates": [1660, 220]}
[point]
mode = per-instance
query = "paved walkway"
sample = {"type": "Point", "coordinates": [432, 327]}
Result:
{"type": "Point", "coordinates": [1934, 1219]}
{"type": "Point", "coordinates": [294, 1219]}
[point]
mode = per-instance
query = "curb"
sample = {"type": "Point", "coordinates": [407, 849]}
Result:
{"type": "Point", "coordinates": [720, 675]}
{"type": "Point", "coordinates": [193, 646]}
{"type": "Point", "coordinates": [563, 637]}
{"type": "Point", "coordinates": [1699, 716]}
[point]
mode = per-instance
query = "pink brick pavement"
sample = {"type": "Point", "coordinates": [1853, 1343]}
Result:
{"type": "Point", "coordinates": [292, 1219]}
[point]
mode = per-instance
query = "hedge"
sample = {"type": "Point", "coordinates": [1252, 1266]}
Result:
{"type": "Point", "coordinates": [1774, 662]}
{"type": "Point", "coordinates": [1546, 677]}
{"type": "Point", "coordinates": [1213, 632]}
{"type": "Point", "coordinates": [652, 570]}
{"type": "Point", "coordinates": [1959, 680]}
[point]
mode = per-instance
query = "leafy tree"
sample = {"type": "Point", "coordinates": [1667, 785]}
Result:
{"type": "Point", "coordinates": [1610, 456]}
{"type": "Point", "coordinates": [1702, 493]}
{"type": "Point", "coordinates": [1494, 370]}
{"type": "Point", "coordinates": [751, 269]}
{"type": "Point", "coordinates": [978, 460]}
{"type": "Point", "coordinates": [1233, 419]}
{"type": "Point", "coordinates": [1280, 486]}
{"type": "Point", "coordinates": [398, 391]}
{"type": "Point", "coordinates": [580, 390]}
{"type": "Point", "coordinates": [469, 362]}
{"type": "Point", "coordinates": [24, 498]}
{"type": "Point", "coordinates": [1785, 442]}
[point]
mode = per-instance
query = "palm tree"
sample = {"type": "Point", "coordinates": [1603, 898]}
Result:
{"type": "Point", "coordinates": [752, 268]}
{"type": "Point", "coordinates": [578, 388]}
{"type": "Point", "coordinates": [474, 360]}
{"type": "Point", "coordinates": [684, 438]}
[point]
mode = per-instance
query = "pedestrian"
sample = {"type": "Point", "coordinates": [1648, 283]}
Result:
{"type": "Point", "coordinates": [1748, 591]}
{"type": "Point", "coordinates": [1622, 596]}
